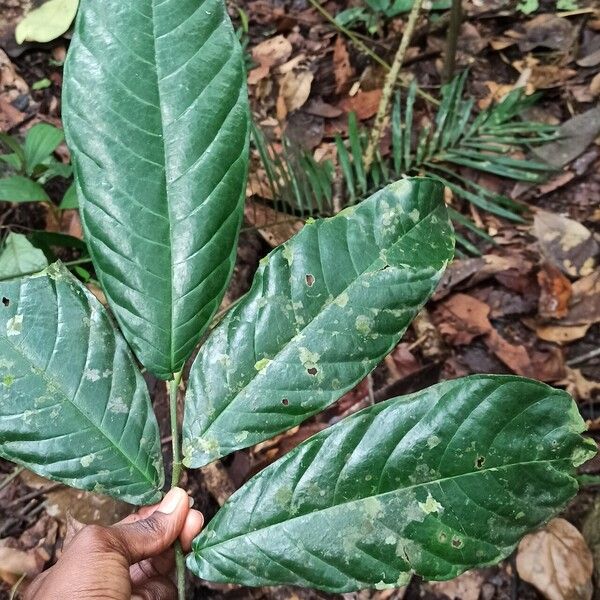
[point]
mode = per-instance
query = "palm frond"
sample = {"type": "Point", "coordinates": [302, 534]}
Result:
{"type": "Point", "coordinates": [491, 141]}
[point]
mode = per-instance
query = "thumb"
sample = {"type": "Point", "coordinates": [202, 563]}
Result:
{"type": "Point", "coordinates": [156, 533]}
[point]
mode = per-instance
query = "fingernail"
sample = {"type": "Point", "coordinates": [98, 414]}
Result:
{"type": "Point", "coordinates": [191, 501]}
{"type": "Point", "coordinates": [171, 501]}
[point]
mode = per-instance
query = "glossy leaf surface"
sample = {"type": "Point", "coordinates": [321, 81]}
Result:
{"type": "Point", "coordinates": [41, 141]}
{"type": "Point", "coordinates": [323, 310]}
{"type": "Point", "coordinates": [434, 483]}
{"type": "Point", "coordinates": [19, 257]}
{"type": "Point", "coordinates": [73, 405]}
{"type": "Point", "coordinates": [156, 116]}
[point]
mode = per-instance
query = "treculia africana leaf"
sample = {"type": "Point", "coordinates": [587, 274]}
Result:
{"type": "Point", "coordinates": [323, 310]}
{"type": "Point", "coordinates": [73, 404]}
{"type": "Point", "coordinates": [434, 483]}
{"type": "Point", "coordinates": [156, 114]}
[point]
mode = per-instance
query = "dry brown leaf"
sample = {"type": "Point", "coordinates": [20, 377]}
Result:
{"type": "Point", "coordinates": [584, 307]}
{"type": "Point", "coordinates": [342, 69]}
{"type": "Point", "coordinates": [497, 92]}
{"type": "Point", "coordinates": [545, 31]}
{"type": "Point", "coordinates": [470, 271]}
{"type": "Point", "coordinates": [364, 104]}
{"type": "Point", "coordinates": [540, 76]}
{"type": "Point", "coordinates": [466, 586]}
{"type": "Point", "coordinates": [514, 356]}
{"type": "Point", "coordinates": [578, 386]}
{"type": "Point", "coordinates": [294, 90]}
{"type": "Point", "coordinates": [559, 334]}
{"type": "Point", "coordinates": [595, 85]}
{"type": "Point", "coordinates": [462, 318]}
{"type": "Point", "coordinates": [557, 561]}
{"type": "Point", "coordinates": [14, 563]}
{"type": "Point", "coordinates": [555, 292]}
{"type": "Point", "coordinates": [281, 228]}
{"type": "Point", "coordinates": [273, 51]}
{"type": "Point", "coordinates": [566, 243]}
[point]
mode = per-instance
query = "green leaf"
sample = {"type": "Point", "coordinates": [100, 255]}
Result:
{"type": "Point", "coordinates": [69, 200]}
{"type": "Point", "coordinates": [323, 310]}
{"type": "Point", "coordinates": [156, 116]}
{"type": "Point", "coordinates": [74, 406]}
{"type": "Point", "coordinates": [17, 159]}
{"type": "Point", "coordinates": [41, 141]}
{"type": "Point", "coordinates": [47, 22]}
{"type": "Point", "coordinates": [434, 483]}
{"type": "Point", "coordinates": [17, 188]}
{"type": "Point", "coordinates": [20, 257]}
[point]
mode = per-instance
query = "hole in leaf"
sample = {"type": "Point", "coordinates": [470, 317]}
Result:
{"type": "Point", "coordinates": [479, 461]}
{"type": "Point", "coordinates": [285, 402]}
{"type": "Point", "coordinates": [5, 301]}
{"type": "Point", "coordinates": [312, 371]}
{"type": "Point", "coordinates": [457, 542]}
{"type": "Point", "coordinates": [310, 280]}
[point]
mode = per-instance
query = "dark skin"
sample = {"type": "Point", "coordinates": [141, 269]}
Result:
{"type": "Point", "coordinates": [132, 560]}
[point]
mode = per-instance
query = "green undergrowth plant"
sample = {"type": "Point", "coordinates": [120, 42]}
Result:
{"type": "Point", "coordinates": [29, 166]}
{"type": "Point", "coordinates": [431, 484]}
{"type": "Point", "coordinates": [457, 138]}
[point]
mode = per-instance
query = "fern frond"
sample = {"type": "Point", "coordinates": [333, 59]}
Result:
{"type": "Point", "coordinates": [457, 138]}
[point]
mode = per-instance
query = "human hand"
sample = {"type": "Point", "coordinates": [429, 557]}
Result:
{"type": "Point", "coordinates": [131, 560]}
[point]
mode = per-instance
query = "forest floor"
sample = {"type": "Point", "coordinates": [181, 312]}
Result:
{"type": "Point", "coordinates": [528, 304]}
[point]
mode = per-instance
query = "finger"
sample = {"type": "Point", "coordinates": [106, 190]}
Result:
{"type": "Point", "coordinates": [157, 588]}
{"type": "Point", "coordinates": [191, 528]}
{"type": "Point", "coordinates": [152, 567]}
{"type": "Point", "coordinates": [151, 536]}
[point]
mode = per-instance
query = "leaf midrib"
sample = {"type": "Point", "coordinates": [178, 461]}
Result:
{"type": "Point", "coordinates": [377, 496]}
{"type": "Point", "coordinates": [43, 375]}
{"type": "Point", "coordinates": [166, 187]}
{"type": "Point", "coordinates": [325, 306]}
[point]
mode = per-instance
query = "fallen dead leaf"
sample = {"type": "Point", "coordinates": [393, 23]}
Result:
{"type": "Point", "coordinates": [470, 271]}
{"type": "Point", "coordinates": [280, 227]}
{"type": "Point", "coordinates": [557, 561]}
{"type": "Point", "coordinates": [541, 76]}
{"type": "Point", "coordinates": [14, 563]}
{"type": "Point", "coordinates": [555, 292]}
{"type": "Point", "coordinates": [566, 243]}
{"type": "Point", "coordinates": [584, 307]}
{"type": "Point", "coordinates": [466, 586]}
{"type": "Point", "coordinates": [364, 104]}
{"type": "Point", "coordinates": [544, 31]}
{"type": "Point", "coordinates": [342, 68]}
{"type": "Point", "coordinates": [574, 136]}
{"type": "Point", "coordinates": [461, 319]}
{"type": "Point", "coordinates": [559, 334]}
{"type": "Point", "coordinates": [273, 51]}
{"type": "Point", "coordinates": [514, 356]}
{"type": "Point", "coordinates": [294, 90]}
{"type": "Point", "coordinates": [595, 85]}
{"type": "Point", "coordinates": [577, 385]}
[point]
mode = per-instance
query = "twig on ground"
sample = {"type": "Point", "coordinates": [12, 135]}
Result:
{"type": "Point", "coordinates": [584, 357]}
{"type": "Point", "coordinates": [390, 83]}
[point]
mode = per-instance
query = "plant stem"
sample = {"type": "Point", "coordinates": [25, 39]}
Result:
{"type": "Point", "coordinates": [390, 84]}
{"type": "Point", "coordinates": [452, 40]}
{"type": "Point", "coordinates": [176, 475]}
{"type": "Point", "coordinates": [11, 476]}
{"type": "Point", "coordinates": [173, 388]}
{"type": "Point", "coordinates": [364, 48]}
